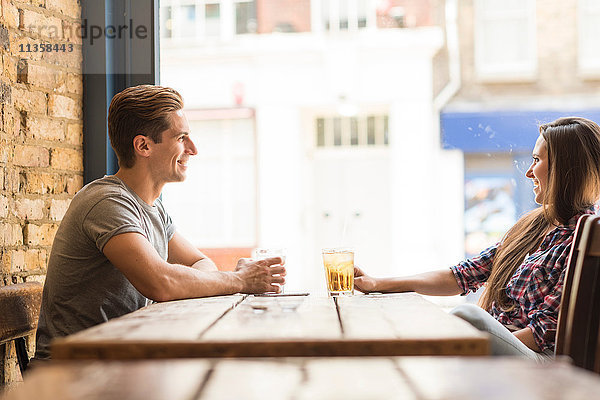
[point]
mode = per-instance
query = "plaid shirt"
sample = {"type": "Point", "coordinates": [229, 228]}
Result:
{"type": "Point", "coordinates": [536, 286]}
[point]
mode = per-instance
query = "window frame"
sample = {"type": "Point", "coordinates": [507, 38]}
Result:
{"type": "Point", "coordinates": [227, 20]}
{"type": "Point", "coordinates": [588, 67]}
{"type": "Point", "coordinates": [318, 21]}
{"type": "Point", "coordinates": [109, 66]}
{"type": "Point", "coordinates": [364, 140]}
{"type": "Point", "coordinates": [525, 70]}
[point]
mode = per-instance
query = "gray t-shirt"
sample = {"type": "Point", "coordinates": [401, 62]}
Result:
{"type": "Point", "coordinates": [82, 287]}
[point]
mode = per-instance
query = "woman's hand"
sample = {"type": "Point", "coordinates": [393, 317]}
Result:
{"type": "Point", "coordinates": [364, 282]}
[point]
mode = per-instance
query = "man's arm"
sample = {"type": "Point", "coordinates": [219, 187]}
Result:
{"type": "Point", "coordinates": [183, 252]}
{"type": "Point", "coordinates": [159, 280]}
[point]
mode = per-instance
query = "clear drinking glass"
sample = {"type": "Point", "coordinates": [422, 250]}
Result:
{"type": "Point", "coordinates": [267, 252]}
{"type": "Point", "coordinates": [339, 270]}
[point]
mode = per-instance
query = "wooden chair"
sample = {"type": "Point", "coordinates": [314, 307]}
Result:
{"type": "Point", "coordinates": [562, 330]}
{"type": "Point", "coordinates": [578, 329]}
{"type": "Point", "coordinates": [19, 311]}
{"type": "Point", "coordinates": [597, 361]}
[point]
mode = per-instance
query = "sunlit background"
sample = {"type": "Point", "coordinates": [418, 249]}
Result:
{"type": "Point", "coordinates": [402, 128]}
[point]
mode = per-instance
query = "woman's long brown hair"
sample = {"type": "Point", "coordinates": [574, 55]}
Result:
{"type": "Point", "coordinates": [573, 186]}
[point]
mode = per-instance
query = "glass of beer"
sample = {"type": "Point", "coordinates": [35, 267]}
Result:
{"type": "Point", "coordinates": [339, 270]}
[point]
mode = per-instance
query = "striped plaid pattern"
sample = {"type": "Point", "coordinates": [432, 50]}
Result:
{"type": "Point", "coordinates": [536, 286]}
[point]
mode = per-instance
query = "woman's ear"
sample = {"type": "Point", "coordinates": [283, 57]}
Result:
{"type": "Point", "coordinates": [141, 145]}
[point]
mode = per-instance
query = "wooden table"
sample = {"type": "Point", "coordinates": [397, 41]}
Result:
{"type": "Point", "coordinates": [248, 326]}
{"type": "Point", "coordinates": [309, 378]}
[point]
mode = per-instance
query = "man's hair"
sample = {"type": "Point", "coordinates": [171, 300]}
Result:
{"type": "Point", "coordinates": [140, 110]}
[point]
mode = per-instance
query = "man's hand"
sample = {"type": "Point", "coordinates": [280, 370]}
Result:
{"type": "Point", "coordinates": [364, 282]}
{"type": "Point", "coordinates": [261, 276]}
{"type": "Point", "coordinates": [242, 263]}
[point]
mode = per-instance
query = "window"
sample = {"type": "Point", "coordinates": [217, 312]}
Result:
{"type": "Point", "coordinates": [187, 18]}
{"type": "Point", "coordinates": [245, 17]}
{"type": "Point", "coordinates": [505, 40]}
{"type": "Point", "coordinates": [212, 19]}
{"type": "Point", "coordinates": [489, 210]}
{"type": "Point", "coordinates": [217, 205]}
{"type": "Point", "coordinates": [166, 22]}
{"type": "Point", "coordinates": [589, 31]}
{"type": "Point", "coordinates": [338, 131]}
{"type": "Point", "coordinates": [205, 19]}
{"type": "Point", "coordinates": [179, 18]}
{"type": "Point", "coordinates": [344, 15]}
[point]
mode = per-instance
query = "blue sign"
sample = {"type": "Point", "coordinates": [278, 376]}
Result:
{"type": "Point", "coordinates": [499, 131]}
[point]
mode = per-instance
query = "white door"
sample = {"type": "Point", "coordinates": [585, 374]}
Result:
{"type": "Point", "coordinates": [353, 204]}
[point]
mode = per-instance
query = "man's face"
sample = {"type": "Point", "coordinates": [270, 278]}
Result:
{"type": "Point", "coordinates": [170, 157]}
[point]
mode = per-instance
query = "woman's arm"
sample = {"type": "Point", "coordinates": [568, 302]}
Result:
{"type": "Point", "coordinates": [525, 335]}
{"type": "Point", "coordinates": [436, 283]}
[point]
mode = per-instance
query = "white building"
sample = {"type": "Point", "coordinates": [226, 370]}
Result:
{"type": "Point", "coordinates": [316, 139]}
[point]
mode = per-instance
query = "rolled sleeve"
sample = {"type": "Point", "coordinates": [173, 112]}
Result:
{"type": "Point", "coordinates": [124, 219]}
{"type": "Point", "coordinates": [542, 322]}
{"type": "Point", "coordinates": [460, 279]}
{"type": "Point", "coordinates": [473, 273]}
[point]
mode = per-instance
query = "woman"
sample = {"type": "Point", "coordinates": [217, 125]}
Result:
{"type": "Point", "coordinates": [524, 272]}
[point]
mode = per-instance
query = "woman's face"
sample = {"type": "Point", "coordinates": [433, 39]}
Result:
{"type": "Point", "coordinates": [538, 171]}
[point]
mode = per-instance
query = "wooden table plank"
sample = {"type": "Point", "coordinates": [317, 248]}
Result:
{"type": "Point", "coordinates": [497, 378]}
{"type": "Point", "coordinates": [315, 318]}
{"type": "Point", "coordinates": [411, 324]}
{"type": "Point", "coordinates": [430, 378]}
{"type": "Point", "coordinates": [269, 327]}
{"type": "Point", "coordinates": [183, 319]}
{"type": "Point", "coordinates": [254, 379]}
{"type": "Point", "coordinates": [175, 321]}
{"type": "Point", "coordinates": [353, 378]}
{"type": "Point", "coordinates": [116, 380]}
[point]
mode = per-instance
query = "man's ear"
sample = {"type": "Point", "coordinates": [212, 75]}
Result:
{"type": "Point", "coordinates": [142, 145]}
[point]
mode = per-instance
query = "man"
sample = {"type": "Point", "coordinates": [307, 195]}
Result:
{"type": "Point", "coordinates": [116, 246]}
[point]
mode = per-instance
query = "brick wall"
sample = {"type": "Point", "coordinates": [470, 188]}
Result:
{"type": "Point", "coordinates": [41, 164]}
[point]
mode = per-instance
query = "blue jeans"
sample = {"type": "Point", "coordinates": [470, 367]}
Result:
{"type": "Point", "coordinates": [502, 341]}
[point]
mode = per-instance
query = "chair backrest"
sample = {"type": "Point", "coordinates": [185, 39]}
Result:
{"type": "Point", "coordinates": [19, 312]}
{"type": "Point", "coordinates": [597, 362]}
{"type": "Point", "coordinates": [562, 330]}
{"type": "Point", "coordinates": [583, 310]}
